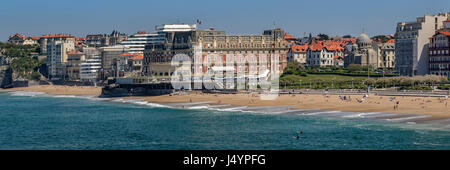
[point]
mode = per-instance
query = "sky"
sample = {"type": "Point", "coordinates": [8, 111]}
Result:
{"type": "Point", "coordinates": [297, 17]}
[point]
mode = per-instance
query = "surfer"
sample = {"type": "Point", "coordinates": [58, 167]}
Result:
{"type": "Point", "coordinates": [299, 133]}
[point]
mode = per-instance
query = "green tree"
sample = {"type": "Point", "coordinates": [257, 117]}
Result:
{"type": "Point", "coordinates": [354, 68]}
{"type": "Point", "coordinates": [323, 37]}
{"type": "Point", "coordinates": [347, 36]}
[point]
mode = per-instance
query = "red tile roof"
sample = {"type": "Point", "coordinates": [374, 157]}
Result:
{"type": "Point", "coordinates": [352, 40]}
{"type": "Point", "coordinates": [126, 54]}
{"type": "Point", "coordinates": [329, 45]}
{"type": "Point", "coordinates": [445, 33]}
{"type": "Point", "coordinates": [17, 34]}
{"type": "Point", "coordinates": [74, 52]}
{"type": "Point", "coordinates": [58, 36]}
{"type": "Point", "coordinates": [136, 57]}
{"type": "Point", "coordinates": [299, 48]}
{"type": "Point", "coordinates": [317, 46]}
{"type": "Point", "coordinates": [34, 38]}
{"type": "Point", "coordinates": [288, 36]}
{"type": "Point", "coordinates": [391, 41]}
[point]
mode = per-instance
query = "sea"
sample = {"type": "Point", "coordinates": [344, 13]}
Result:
{"type": "Point", "coordinates": [38, 121]}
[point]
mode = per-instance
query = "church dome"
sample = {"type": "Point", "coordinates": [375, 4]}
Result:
{"type": "Point", "coordinates": [363, 39]}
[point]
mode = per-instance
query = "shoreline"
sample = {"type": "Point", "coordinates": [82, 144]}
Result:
{"type": "Point", "coordinates": [433, 107]}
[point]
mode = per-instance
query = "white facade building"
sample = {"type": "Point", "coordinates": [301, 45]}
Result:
{"type": "Point", "coordinates": [297, 53]}
{"type": "Point", "coordinates": [137, 42]}
{"type": "Point", "coordinates": [89, 70]}
{"type": "Point", "coordinates": [57, 48]}
{"type": "Point", "coordinates": [412, 41]}
{"type": "Point", "coordinates": [439, 54]}
{"type": "Point", "coordinates": [323, 54]}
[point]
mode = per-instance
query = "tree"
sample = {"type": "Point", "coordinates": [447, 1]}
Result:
{"type": "Point", "coordinates": [354, 67]}
{"type": "Point", "coordinates": [347, 36]}
{"type": "Point", "coordinates": [24, 66]}
{"type": "Point", "coordinates": [295, 68]}
{"type": "Point", "coordinates": [323, 37]}
{"type": "Point", "coordinates": [382, 38]}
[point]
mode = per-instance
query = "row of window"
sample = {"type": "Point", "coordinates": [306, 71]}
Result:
{"type": "Point", "coordinates": [439, 66]}
{"type": "Point", "coordinates": [251, 45]}
{"type": "Point", "coordinates": [439, 59]}
{"type": "Point", "coordinates": [438, 52]}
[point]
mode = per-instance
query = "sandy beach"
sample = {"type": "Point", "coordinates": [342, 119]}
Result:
{"type": "Point", "coordinates": [438, 108]}
{"type": "Point", "coordinates": [62, 90]}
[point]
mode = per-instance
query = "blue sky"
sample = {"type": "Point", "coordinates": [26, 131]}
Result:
{"type": "Point", "coordinates": [81, 17]}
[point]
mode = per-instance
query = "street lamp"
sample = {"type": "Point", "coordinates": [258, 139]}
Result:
{"type": "Point", "coordinates": [352, 84]}
{"type": "Point", "coordinates": [332, 83]}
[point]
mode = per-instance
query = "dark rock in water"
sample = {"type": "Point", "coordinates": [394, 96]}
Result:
{"type": "Point", "coordinates": [121, 90]}
{"type": "Point", "coordinates": [5, 76]}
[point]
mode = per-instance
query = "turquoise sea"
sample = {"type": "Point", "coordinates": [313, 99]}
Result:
{"type": "Point", "coordinates": [66, 122]}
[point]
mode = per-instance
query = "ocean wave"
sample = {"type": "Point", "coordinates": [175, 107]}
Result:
{"type": "Point", "coordinates": [360, 115]}
{"type": "Point", "coordinates": [66, 96]}
{"type": "Point", "coordinates": [318, 113]}
{"type": "Point", "coordinates": [233, 109]}
{"type": "Point", "coordinates": [407, 118]}
{"type": "Point", "coordinates": [27, 93]}
{"type": "Point", "coordinates": [144, 103]}
{"type": "Point", "coordinates": [242, 109]}
{"type": "Point", "coordinates": [199, 107]}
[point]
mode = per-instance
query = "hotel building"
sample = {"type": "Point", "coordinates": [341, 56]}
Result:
{"type": "Point", "coordinates": [90, 69]}
{"type": "Point", "coordinates": [439, 54]}
{"type": "Point", "coordinates": [57, 46]}
{"type": "Point", "coordinates": [182, 39]}
{"type": "Point", "coordinates": [137, 42]}
{"type": "Point", "coordinates": [412, 43]}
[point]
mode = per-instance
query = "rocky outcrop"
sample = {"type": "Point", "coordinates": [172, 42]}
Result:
{"type": "Point", "coordinates": [5, 76]}
{"type": "Point", "coordinates": [115, 90]}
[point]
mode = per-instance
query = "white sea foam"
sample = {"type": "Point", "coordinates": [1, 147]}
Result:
{"type": "Point", "coordinates": [199, 107]}
{"type": "Point", "coordinates": [140, 102]}
{"type": "Point", "coordinates": [407, 118]}
{"type": "Point", "coordinates": [379, 115]}
{"type": "Point", "coordinates": [27, 93]}
{"type": "Point", "coordinates": [230, 108]}
{"type": "Point", "coordinates": [126, 100]}
{"type": "Point", "coordinates": [233, 109]}
{"type": "Point", "coordinates": [66, 96]}
{"type": "Point", "coordinates": [318, 113]}
{"type": "Point", "coordinates": [360, 115]}
{"type": "Point", "coordinates": [215, 106]}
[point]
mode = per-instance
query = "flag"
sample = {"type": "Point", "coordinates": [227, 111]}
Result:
{"type": "Point", "coordinates": [199, 22]}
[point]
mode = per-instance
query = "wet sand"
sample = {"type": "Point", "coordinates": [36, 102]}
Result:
{"type": "Point", "coordinates": [62, 90]}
